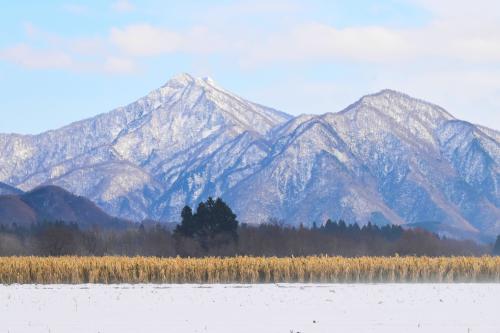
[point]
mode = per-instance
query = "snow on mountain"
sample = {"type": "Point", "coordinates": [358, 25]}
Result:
{"type": "Point", "coordinates": [125, 160]}
{"type": "Point", "coordinates": [388, 158]}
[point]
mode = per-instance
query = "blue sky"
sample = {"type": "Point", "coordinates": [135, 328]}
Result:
{"type": "Point", "coordinates": [61, 61]}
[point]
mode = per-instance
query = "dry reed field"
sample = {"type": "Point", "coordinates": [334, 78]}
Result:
{"type": "Point", "coordinates": [53, 270]}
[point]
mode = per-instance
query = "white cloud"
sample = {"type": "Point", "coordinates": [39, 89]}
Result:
{"type": "Point", "coordinates": [469, 94]}
{"type": "Point", "coordinates": [26, 56]}
{"type": "Point", "coordinates": [145, 40]}
{"type": "Point", "coordinates": [452, 59]}
{"type": "Point", "coordinates": [309, 42]}
{"type": "Point", "coordinates": [116, 65]}
{"type": "Point", "coordinates": [301, 43]}
{"type": "Point", "coordinates": [456, 33]}
{"type": "Point", "coordinates": [462, 30]}
{"type": "Point", "coordinates": [38, 58]}
{"type": "Point", "coordinates": [78, 54]}
{"type": "Point", "coordinates": [148, 40]}
{"type": "Point", "coordinates": [122, 6]}
{"type": "Point", "coordinates": [443, 40]}
{"type": "Point", "coordinates": [460, 10]}
{"type": "Point", "coordinates": [85, 46]}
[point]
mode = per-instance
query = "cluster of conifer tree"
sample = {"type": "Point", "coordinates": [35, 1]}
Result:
{"type": "Point", "coordinates": [213, 230]}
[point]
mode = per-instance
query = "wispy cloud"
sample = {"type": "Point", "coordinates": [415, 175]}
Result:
{"type": "Point", "coordinates": [457, 35]}
{"type": "Point", "coordinates": [149, 40]}
{"type": "Point", "coordinates": [78, 54]}
{"type": "Point", "coordinates": [145, 40]}
{"type": "Point", "coordinates": [451, 56]}
{"type": "Point", "coordinates": [122, 6]}
{"type": "Point", "coordinates": [310, 42]}
{"type": "Point", "coordinates": [26, 56]}
{"type": "Point", "coordinates": [116, 65]}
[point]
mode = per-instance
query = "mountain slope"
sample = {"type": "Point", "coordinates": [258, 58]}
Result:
{"type": "Point", "coordinates": [387, 158]}
{"type": "Point", "coordinates": [126, 159]}
{"type": "Point", "coordinates": [52, 203]}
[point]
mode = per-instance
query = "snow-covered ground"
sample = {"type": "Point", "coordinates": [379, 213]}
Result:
{"type": "Point", "coordinates": [251, 308]}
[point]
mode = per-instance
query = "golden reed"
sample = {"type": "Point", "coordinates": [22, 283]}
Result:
{"type": "Point", "coordinates": [247, 269]}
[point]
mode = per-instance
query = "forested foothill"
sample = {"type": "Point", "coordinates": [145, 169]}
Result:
{"type": "Point", "coordinates": [213, 230]}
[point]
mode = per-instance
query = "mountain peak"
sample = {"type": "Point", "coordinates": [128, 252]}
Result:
{"type": "Point", "coordinates": [184, 79]}
{"type": "Point", "coordinates": [387, 94]}
{"type": "Point", "coordinates": [388, 91]}
{"type": "Point", "coordinates": [179, 81]}
{"type": "Point", "coordinates": [400, 106]}
{"type": "Point", "coordinates": [209, 80]}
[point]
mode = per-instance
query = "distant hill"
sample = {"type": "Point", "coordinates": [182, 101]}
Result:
{"type": "Point", "coordinates": [7, 189]}
{"type": "Point", "coordinates": [51, 203]}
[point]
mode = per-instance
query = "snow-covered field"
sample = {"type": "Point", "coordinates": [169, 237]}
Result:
{"type": "Point", "coordinates": [251, 308]}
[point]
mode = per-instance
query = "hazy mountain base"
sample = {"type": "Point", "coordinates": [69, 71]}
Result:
{"type": "Point", "coordinates": [333, 239]}
{"type": "Point", "coordinates": [388, 158]}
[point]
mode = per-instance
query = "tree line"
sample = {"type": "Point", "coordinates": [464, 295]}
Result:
{"type": "Point", "coordinates": [213, 230]}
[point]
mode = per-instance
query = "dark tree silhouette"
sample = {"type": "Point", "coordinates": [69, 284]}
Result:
{"type": "Point", "coordinates": [213, 229]}
{"type": "Point", "coordinates": [214, 223]}
{"type": "Point", "coordinates": [187, 227]}
{"type": "Point", "coordinates": [57, 238]}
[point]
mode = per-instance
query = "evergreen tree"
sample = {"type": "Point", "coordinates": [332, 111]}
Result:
{"type": "Point", "coordinates": [214, 222]}
{"type": "Point", "coordinates": [187, 227]}
{"type": "Point", "coordinates": [342, 226]}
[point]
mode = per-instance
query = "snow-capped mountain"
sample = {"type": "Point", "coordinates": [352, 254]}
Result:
{"type": "Point", "coordinates": [386, 158]}
{"type": "Point", "coordinates": [127, 160]}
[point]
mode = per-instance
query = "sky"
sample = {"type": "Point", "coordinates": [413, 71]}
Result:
{"type": "Point", "coordinates": [63, 61]}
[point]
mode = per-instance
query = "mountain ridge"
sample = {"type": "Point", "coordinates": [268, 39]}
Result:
{"type": "Point", "coordinates": [6, 189]}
